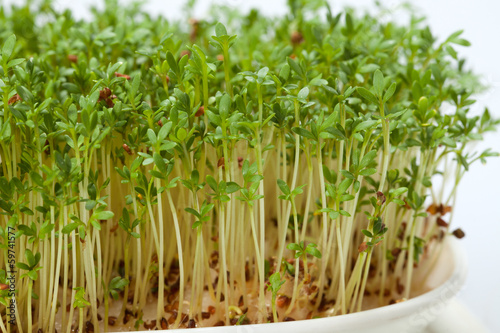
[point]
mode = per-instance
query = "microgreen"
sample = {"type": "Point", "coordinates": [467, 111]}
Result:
{"type": "Point", "coordinates": [138, 159]}
{"type": "Point", "coordinates": [275, 283]}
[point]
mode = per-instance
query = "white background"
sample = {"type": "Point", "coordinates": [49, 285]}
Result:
{"type": "Point", "coordinates": [477, 209]}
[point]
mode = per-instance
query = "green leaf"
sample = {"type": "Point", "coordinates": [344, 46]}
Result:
{"type": "Point", "coordinates": [303, 132]}
{"type": "Point", "coordinates": [367, 233]}
{"type": "Point", "coordinates": [397, 192]}
{"type": "Point", "coordinates": [294, 247]}
{"type": "Point", "coordinates": [367, 159]}
{"type": "Point", "coordinates": [367, 94]}
{"type": "Point", "coordinates": [25, 94]}
{"type": "Point", "coordinates": [344, 185]}
{"type": "Point", "coordinates": [172, 63]}
{"type": "Point", "coordinates": [378, 82]}
{"type": "Point", "coordinates": [104, 215]}
{"type": "Point", "coordinates": [285, 72]}
{"type": "Point", "coordinates": [151, 136]}
{"type": "Point", "coordinates": [224, 106]}
{"type": "Point", "coordinates": [283, 187]}
{"type": "Point", "coordinates": [367, 172]}
{"type": "Point", "coordinates": [96, 224]}
{"type": "Point", "coordinates": [212, 183]}
{"type": "Point", "coordinates": [389, 92]}
{"type": "Point", "coordinates": [8, 47]}
{"type": "Point", "coordinates": [293, 64]}
{"type": "Point", "coordinates": [220, 30]}
{"type": "Point", "coordinates": [67, 229]}
{"type": "Point", "coordinates": [365, 125]}
{"type": "Point", "coordinates": [33, 275]}
{"type": "Point", "coordinates": [275, 283]}
{"type": "Point", "coordinates": [262, 72]}
{"type": "Point", "coordinates": [303, 93]}
{"type": "Point", "coordinates": [20, 265]}
{"type": "Point", "coordinates": [312, 250]}
{"type": "Point", "coordinates": [15, 62]}
{"type": "Point", "coordinates": [164, 131]}
{"type": "Point", "coordinates": [333, 214]}
{"type": "Point", "coordinates": [232, 187]}
{"type": "Point", "coordinates": [160, 163]}
{"type": "Point", "coordinates": [369, 68]}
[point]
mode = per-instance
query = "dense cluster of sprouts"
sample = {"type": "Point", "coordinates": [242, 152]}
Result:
{"type": "Point", "coordinates": [276, 169]}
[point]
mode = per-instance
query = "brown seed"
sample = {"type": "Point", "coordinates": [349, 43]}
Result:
{"type": "Point", "coordinates": [399, 287]}
{"type": "Point", "coordinates": [432, 209]}
{"type": "Point", "coordinates": [73, 58]}
{"type": "Point", "coordinates": [127, 149]}
{"type": "Point", "coordinates": [3, 286]}
{"type": "Point", "coordinates": [387, 292]}
{"type": "Point", "coordinates": [233, 321]}
{"type": "Point", "coordinates": [296, 38]}
{"type": "Point", "coordinates": [112, 320]}
{"type": "Point", "coordinates": [220, 162]}
{"type": "Point", "coordinates": [14, 99]}
{"type": "Point", "coordinates": [442, 223]}
{"type": "Point", "coordinates": [122, 75]}
{"type": "Point", "coordinates": [362, 247]}
{"type": "Point", "coordinates": [288, 319]}
{"type": "Point", "coordinates": [185, 318]}
{"type": "Point", "coordinates": [445, 209]}
{"type": "Point", "coordinates": [164, 323]}
{"type": "Point", "coordinates": [211, 309]}
{"type": "Point", "coordinates": [240, 162]}
{"type": "Point", "coordinates": [104, 93]}
{"type": "Point", "coordinates": [205, 315]}
{"type": "Point", "coordinates": [126, 318]}
{"type": "Point", "coordinates": [282, 301]}
{"type": "Point", "coordinates": [109, 101]}
{"type": "Point", "coordinates": [380, 198]}
{"type": "Point", "coordinates": [200, 112]}
{"type": "Point", "coordinates": [220, 57]}
{"type": "Point", "coordinates": [171, 320]}
{"type": "Point", "coordinates": [219, 323]}
{"type": "Point", "coordinates": [407, 206]}
{"type": "Point", "coordinates": [395, 252]}
{"type": "Point", "coordinates": [89, 327]}
{"type": "Point", "coordinates": [150, 325]}
{"type": "Point", "coordinates": [172, 296]}
{"type": "Point", "coordinates": [459, 233]}
{"type": "Point", "coordinates": [113, 229]}
{"type": "Point", "coordinates": [99, 317]}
